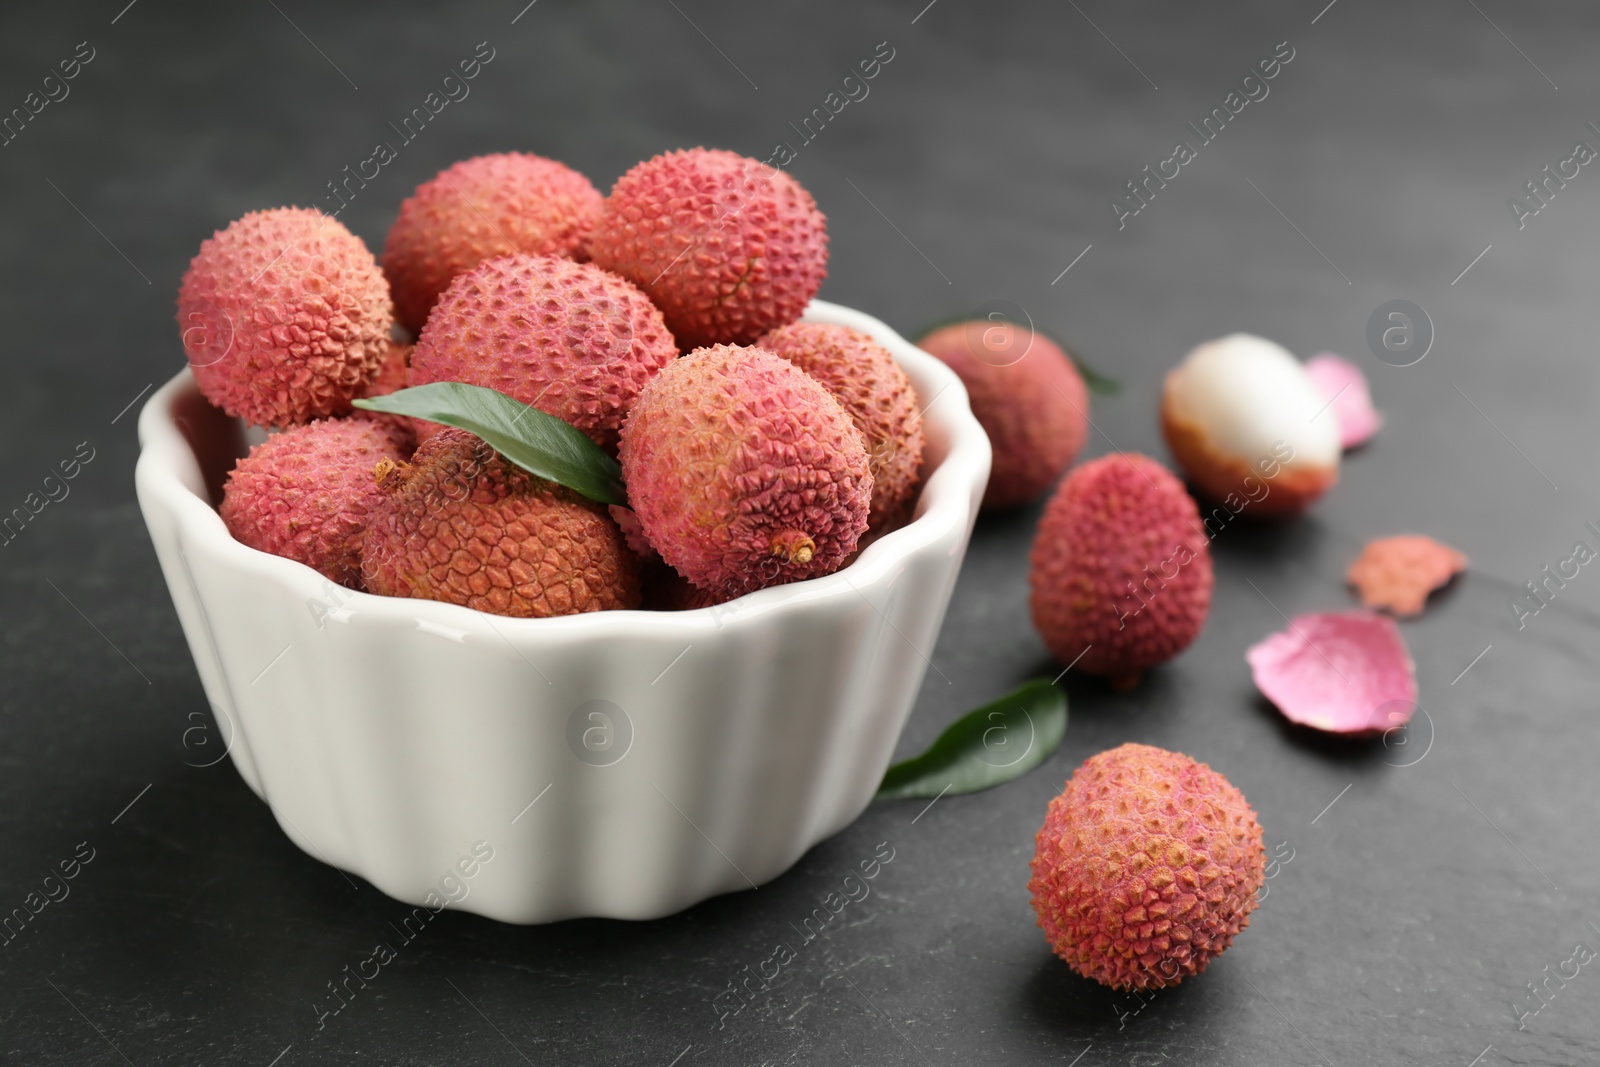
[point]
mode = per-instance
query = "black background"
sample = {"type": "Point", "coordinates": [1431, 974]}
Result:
{"type": "Point", "coordinates": [1449, 873]}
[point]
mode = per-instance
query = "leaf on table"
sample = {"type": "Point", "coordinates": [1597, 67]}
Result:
{"type": "Point", "coordinates": [1097, 383]}
{"type": "Point", "coordinates": [986, 747]}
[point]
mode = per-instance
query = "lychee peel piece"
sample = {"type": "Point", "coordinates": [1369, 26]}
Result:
{"type": "Point", "coordinates": [1345, 386]}
{"type": "Point", "coordinates": [1342, 672]}
{"type": "Point", "coordinates": [1398, 573]}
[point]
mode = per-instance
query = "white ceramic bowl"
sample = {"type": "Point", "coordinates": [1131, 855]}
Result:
{"type": "Point", "coordinates": [624, 763]}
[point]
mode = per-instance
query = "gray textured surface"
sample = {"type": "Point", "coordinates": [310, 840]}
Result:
{"type": "Point", "coordinates": [1415, 908]}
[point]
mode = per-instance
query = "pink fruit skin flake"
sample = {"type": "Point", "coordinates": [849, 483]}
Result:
{"type": "Point", "coordinates": [1346, 389]}
{"type": "Point", "coordinates": [1399, 573]}
{"type": "Point", "coordinates": [1342, 672]}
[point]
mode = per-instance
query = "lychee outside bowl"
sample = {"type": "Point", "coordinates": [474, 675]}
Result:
{"type": "Point", "coordinates": [624, 764]}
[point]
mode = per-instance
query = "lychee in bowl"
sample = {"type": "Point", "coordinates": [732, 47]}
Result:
{"type": "Point", "coordinates": [625, 764]}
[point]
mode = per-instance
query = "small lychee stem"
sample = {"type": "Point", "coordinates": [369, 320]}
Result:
{"type": "Point", "coordinates": [794, 547]}
{"type": "Point", "coordinates": [381, 469]}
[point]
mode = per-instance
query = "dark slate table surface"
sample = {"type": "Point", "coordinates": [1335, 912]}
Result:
{"type": "Point", "coordinates": [1447, 874]}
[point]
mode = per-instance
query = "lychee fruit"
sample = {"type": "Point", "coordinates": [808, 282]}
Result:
{"type": "Point", "coordinates": [285, 317]}
{"type": "Point", "coordinates": [1121, 568]}
{"type": "Point", "coordinates": [306, 493]}
{"type": "Point", "coordinates": [1249, 426]}
{"type": "Point", "coordinates": [633, 533]}
{"type": "Point", "coordinates": [863, 376]}
{"type": "Point", "coordinates": [392, 372]}
{"type": "Point", "coordinates": [393, 369]}
{"type": "Point", "coordinates": [1027, 395]}
{"type": "Point", "coordinates": [568, 338]}
{"type": "Point", "coordinates": [728, 247]}
{"type": "Point", "coordinates": [1146, 868]}
{"type": "Point", "coordinates": [461, 524]}
{"type": "Point", "coordinates": [744, 471]}
{"type": "Point", "coordinates": [477, 209]}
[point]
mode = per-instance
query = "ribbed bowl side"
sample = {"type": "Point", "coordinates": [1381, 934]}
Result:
{"type": "Point", "coordinates": [396, 738]}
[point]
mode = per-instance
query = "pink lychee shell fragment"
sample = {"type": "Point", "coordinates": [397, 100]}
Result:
{"type": "Point", "coordinates": [1346, 388]}
{"type": "Point", "coordinates": [1398, 573]}
{"type": "Point", "coordinates": [1342, 672]}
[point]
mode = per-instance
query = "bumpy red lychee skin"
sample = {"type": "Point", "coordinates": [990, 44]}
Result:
{"type": "Point", "coordinates": [863, 376]}
{"type": "Point", "coordinates": [306, 493]}
{"type": "Point", "coordinates": [1121, 568]}
{"type": "Point", "coordinates": [285, 317]}
{"type": "Point", "coordinates": [1146, 868]}
{"type": "Point", "coordinates": [461, 524]}
{"type": "Point", "coordinates": [633, 533]}
{"type": "Point", "coordinates": [1027, 395]}
{"type": "Point", "coordinates": [728, 247]}
{"type": "Point", "coordinates": [479, 208]}
{"type": "Point", "coordinates": [393, 369]}
{"type": "Point", "coordinates": [744, 472]}
{"type": "Point", "coordinates": [568, 338]}
{"type": "Point", "coordinates": [392, 372]}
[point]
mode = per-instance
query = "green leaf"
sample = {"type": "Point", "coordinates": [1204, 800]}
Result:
{"type": "Point", "coordinates": [986, 747]}
{"type": "Point", "coordinates": [1098, 383]}
{"type": "Point", "coordinates": [538, 443]}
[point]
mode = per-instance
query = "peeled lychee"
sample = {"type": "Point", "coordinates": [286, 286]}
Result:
{"type": "Point", "coordinates": [863, 376]}
{"type": "Point", "coordinates": [744, 471]}
{"type": "Point", "coordinates": [285, 317]}
{"type": "Point", "coordinates": [1121, 568]}
{"type": "Point", "coordinates": [479, 208]}
{"type": "Point", "coordinates": [1249, 426]}
{"type": "Point", "coordinates": [461, 524]}
{"type": "Point", "coordinates": [306, 493]}
{"type": "Point", "coordinates": [568, 338]}
{"type": "Point", "coordinates": [1146, 868]}
{"type": "Point", "coordinates": [728, 247]}
{"type": "Point", "coordinates": [1027, 395]}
